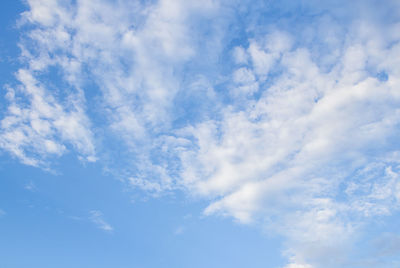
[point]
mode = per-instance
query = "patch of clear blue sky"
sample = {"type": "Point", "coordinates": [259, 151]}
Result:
{"type": "Point", "coordinates": [49, 225]}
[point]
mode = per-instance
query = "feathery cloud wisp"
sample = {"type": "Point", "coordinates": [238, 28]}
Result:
{"type": "Point", "coordinates": [97, 218]}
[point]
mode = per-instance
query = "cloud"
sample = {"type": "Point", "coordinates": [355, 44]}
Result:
{"type": "Point", "coordinates": [291, 157]}
{"type": "Point", "coordinates": [179, 230]}
{"type": "Point", "coordinates": [97, 218]}
{"type": "Point", "coordinates": [37, 125]}
{"type": "Point", "coordinates": [288, 121]}
{"type": "Point", "coordinates": [30, 186]}
{"type": "Point", "coordinates": [133, 57]}
{"type": "Point", "coordinates": [2, 213]}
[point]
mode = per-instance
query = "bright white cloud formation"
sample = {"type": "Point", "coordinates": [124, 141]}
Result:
{"type": "Point", "coordinates": [293, 128]}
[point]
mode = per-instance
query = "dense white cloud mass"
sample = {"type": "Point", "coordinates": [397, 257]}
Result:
{"type": "Point", "coordinates": [293, 127]}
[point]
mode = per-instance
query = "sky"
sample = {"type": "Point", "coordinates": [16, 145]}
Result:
{"type": "Point", "coordinates": [214, 133]}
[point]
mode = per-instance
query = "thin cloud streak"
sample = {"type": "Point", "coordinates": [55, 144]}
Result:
{"type": "Point", "coordinates": [97, 218]}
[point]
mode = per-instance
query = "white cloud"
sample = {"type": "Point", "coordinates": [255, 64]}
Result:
{"type": "Point", "coordinates": [245, 82]}
{"type": "Point", "coordinates": [30, 186]}
{"type": "Point", "coordinates": [2, 213]}
{"type": "Point", "coordinates": [145, 185]}
{"type": "Point", "coordinates": [37, 126]}
{"type": "Point", "coordinates": [307, 119]}
{"type": "Point", "coordinates": [287, 155]}
{"type": "Point", "coordinates": [133, 55]}
{"type": "Point", "coordinates": [240, 55]}
{"type": "Point", "coordinates": [97, 218]}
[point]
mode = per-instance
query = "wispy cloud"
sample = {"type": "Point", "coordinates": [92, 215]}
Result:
{"type": "Point", "coordinates": [97, 218]}
{"type": "Point", "coordinates": [30, 186]}
{"type": "Point", "coordinates": [179, 230]}
{"type": "Point", "coordinates": [37, 125]}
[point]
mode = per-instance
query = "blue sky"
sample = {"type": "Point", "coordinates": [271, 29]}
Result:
{"type": "Point", "coordinates": [218, 133]}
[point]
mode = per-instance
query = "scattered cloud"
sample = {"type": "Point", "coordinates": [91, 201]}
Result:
{"type": "Point", "coordinates": [309, 138]}
{"type": "Point", "coordinates": [291, 125]}
{"type": "Point", "coordinates": [36, 125]}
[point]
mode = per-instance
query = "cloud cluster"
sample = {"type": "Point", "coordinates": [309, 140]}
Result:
{"type": "Point", "coordinates": [307, 134]}
{"type": "Point", "coordinates": [291, 123]}
{"type": "Point", "coordinates": [37, 126]}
